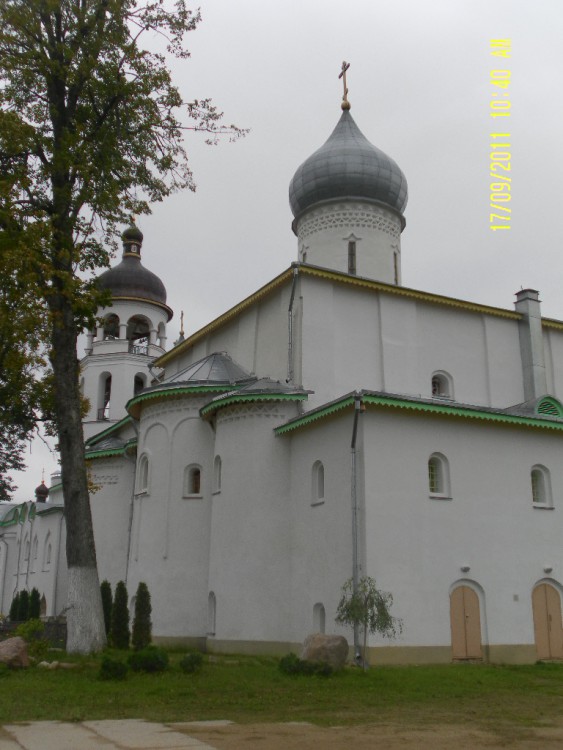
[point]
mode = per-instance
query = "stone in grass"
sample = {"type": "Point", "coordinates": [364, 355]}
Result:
{"type": "Point", "coordinates": [327, 649]}
{"type": "Point", "coordinates": [13, 652]}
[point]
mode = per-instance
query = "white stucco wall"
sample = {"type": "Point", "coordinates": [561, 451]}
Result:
{"type": "Point", "coordinates": [251, 544]}
{"type": "Point", "coordinates": [170, 531]}
{"type": "Point", "coordinates": [416, 545]}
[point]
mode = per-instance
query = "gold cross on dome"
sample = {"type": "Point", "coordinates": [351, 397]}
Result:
{"type": "Point", "coordinates": [345, 102]}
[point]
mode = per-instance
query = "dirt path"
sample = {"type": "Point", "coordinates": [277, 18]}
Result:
{"type": "Point", "coordinates": [309, 737]}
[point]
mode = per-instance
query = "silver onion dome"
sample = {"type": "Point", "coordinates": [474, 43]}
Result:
{"type": "Point", "coordinates": [347, 166]}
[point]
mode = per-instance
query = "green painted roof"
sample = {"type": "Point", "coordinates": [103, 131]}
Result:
{"type": "Point", "coordinates": [424, 406]}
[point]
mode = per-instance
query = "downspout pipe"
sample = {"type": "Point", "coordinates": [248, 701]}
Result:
{"type": "Point", "coordinates": [358, 407]}
{"type": "Point", "coordinates": [290, 367]}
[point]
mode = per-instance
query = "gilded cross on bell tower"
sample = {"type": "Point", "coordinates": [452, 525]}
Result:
{"type": "Point", "coordinates": [345, 103]}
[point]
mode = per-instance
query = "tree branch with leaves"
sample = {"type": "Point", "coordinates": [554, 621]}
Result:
{"type": "Point", "coordinates": [367, 607]}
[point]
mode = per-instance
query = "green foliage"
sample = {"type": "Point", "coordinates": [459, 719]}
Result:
{"type": "Point", "coordinates": [149, 659]}
{"type": "Point", "coordinates": [14, 608]}
{"type": "Point", "coordinates": [4, 670]}
{"type": "Point", "coordinates": [32, 631]}
{"type": "Point", "coordinates": [191, 662]}
{"type": "Point", "coordinates": [369, 608]}
{"type": "Point", "coordinates": [120, 634]}
{"type": "Point", "coordinates": [142, 625]}
{"type": "Point", "coordinates": [107, 603]}
{"type": "Point", "coordinates": [34, 604]}
{"type": "Point", "coordinates": [23, 606]}
{"type": "Point", "coordinates": [112, 669]}
{"type": "Point", "coordinates": [293, 665]}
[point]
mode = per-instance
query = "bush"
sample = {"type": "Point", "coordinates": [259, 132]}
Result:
{"type": "Point", "coordinates": [191, 662]}
{"type": "Point", "coordinates": [293, 665]}
{"type": "Point", "coordinates": [32, 632]}
{"type": "Point", "coordinates": [23, 606]}
{"type": "Point", "coordinates": [142, 625]}
{"type": "Point", "coordinates": [120, 634]}
{"type": "Point", "coordinates": [34, 612]}
{"type": "Point", "coordinates": [14, 608]}
{"type": "Point", "coordinates": [107, 603]}
{"type": "Point", "coordinates": [149, 659]}
{"type": "Point", "coordinates": [111, 669]}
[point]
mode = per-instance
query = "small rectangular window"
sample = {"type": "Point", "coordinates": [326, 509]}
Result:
{"type": "Point", "coordinates": [352, 257]}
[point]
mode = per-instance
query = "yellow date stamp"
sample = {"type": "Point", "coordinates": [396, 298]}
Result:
{"type": "Point", "coordinates": [500, 155]}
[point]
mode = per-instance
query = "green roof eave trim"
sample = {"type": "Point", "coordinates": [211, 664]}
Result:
{"type": "Point", "coordinates": [57, 487]}
{"type": "Point", "coordinates": [313, 416]}
{"type": "Point", "coordinates": [240, 398]}
{"type": "Point", "coordinates": [103, 453]}
{"type": "Point", "coordinates": [101, 435]}
{"type": "Point", "coordinates": [13, 518]}
{"type": "Point", "coordinates": [423, 407]}
{"type": "Point", "coordinates": [184, 390]}
{"type": "Point", "coordinates": [52, 509]}
{"type": "Point", "coordinates": [464, 412]}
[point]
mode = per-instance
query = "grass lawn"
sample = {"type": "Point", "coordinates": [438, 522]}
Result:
{"type": "Point", "coordinates": [247, 689]}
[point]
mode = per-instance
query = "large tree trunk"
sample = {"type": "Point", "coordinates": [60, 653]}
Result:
{"type": "Point", "coordinates": [85, 619]}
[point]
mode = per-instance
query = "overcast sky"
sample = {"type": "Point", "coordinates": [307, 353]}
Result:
{"type": "Point", "coordinates": [419, 85]}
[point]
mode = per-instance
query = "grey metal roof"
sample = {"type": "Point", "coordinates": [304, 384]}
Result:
{"type": "Point", "coordinates": [214, 369]}
{"type": "Point", "coordinates": [347, 166]}
{"type": "Point", "coordinates": [263, 386]}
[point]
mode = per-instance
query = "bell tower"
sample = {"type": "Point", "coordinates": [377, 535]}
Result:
{"type": "Point", "coordinates": [131, 332]}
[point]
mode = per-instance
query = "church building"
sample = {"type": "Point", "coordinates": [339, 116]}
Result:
{"type": "Point", "coordinates": [332, 425]}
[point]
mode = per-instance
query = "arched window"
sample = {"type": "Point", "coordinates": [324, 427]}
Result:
{"type": "Point", "coordinates": [318, 483]}
{"type": "Point", "coordinates": [442, 385]}
{"type": "Point", "coordinates": [143, 475]}
{"type": "Point", "coordinates": [211, 613]}
{"type": "Point", "coordinates": [319, 618]}
{"type": "Point", "coordinates": [541, 487]}
{"type": "Point", "coordinates": [47, 552]}
{"type": "Point", "coordinates": [217, 467]}
{"type": "Point", "coordinates": [139, 383]}
{"type": "Point", "coordinates": [438, 476]}
{"type": "Point", "coordinates": [26, 548]}
{"type": "Point", "coordinates": [34, 550]}
{"type": "Point", "coordinates": [104, 396]}
{"type": "Point", "coordinates": [111, 327]}
{"type": "Point", "coordinates": [138, 331]}
{"type": "Point", "coordinates": [192, 481]}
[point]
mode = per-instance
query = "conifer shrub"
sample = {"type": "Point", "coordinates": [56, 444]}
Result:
{"type": "Point", "coordinates": [191, 662]}
{"type": "Point", "coordinates": [112, 669]}
{"type": "Point", "coordinates": [120, 634]}
{"type": "Point", "coordinates": [34, 612]}
{"type": "Point", "coordinates": [14, 608]}
{"type": "Point", "coordinates": [23, 606]}
{"type": "Point", "coordinates": [107, 603]}
{"type": "Point", "coordinates": [149, 659]}
{"type": "Point", "coordinates": [293, 665]}
{"type": "Point", "coordinates": [142, 624]}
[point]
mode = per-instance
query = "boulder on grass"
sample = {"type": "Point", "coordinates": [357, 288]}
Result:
{"type": "Point", "coordinates": [13, 652]}
{"type": "Point", "coordinates": [328, 649]}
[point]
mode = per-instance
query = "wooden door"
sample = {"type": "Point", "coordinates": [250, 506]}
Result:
{"type": "Point", "coordinates": [548, 629]}
{"type": "Point", "coordinates": [465, 621]}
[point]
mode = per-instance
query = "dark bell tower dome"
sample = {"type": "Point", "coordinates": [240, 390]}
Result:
{"type": "Point", "coordinates": [130, 280]}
